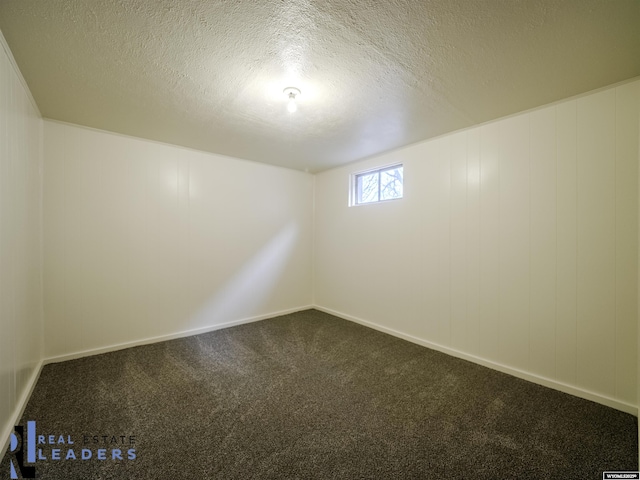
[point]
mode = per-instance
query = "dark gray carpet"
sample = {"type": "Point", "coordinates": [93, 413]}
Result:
{"type": "Point", "coordinates": [309, 395]}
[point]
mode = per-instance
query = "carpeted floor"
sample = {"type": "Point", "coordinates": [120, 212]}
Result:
{"type": "Point", "coordinates": [308, 396]}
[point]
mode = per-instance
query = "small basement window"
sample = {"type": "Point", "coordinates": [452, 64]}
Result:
{"type": "Point", "coordinates": [377, 185]}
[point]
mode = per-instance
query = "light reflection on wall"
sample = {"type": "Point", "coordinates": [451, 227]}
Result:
{"type": "Point", "coordinates": [249, 289]}
{"type": "Point", "coordinates": [473, 175]}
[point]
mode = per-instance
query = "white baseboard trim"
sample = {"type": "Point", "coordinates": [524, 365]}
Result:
{"type": "Point", "coordinates": [547, 382]}
{"type": "Point", "coordinates": [19, 409]}
{"type": "Point", "coordinates": [171, 336]}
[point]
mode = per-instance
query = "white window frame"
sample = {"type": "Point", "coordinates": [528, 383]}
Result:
{"type": "Point", "coordinates": [353, 184]}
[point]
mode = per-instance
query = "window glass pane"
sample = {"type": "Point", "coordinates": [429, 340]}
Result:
{"type": "Point", "coordinates": [377, 185]}
{"type": "Point", "coordinates": [391, 183]}
{"type": "Point", "coordinates": [368, 187]}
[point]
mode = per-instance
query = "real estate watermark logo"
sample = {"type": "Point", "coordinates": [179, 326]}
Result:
{"type": "Point", "coordinates": [620, 475]}
{"type": "Point", "coordinates": [17, 448]}
{"type": "Point", "coordinates": [56, 447]}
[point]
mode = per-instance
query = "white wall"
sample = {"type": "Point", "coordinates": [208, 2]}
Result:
{"type": "Point", "coordinates": [516, 245]}
{"type": "Point", "coordinates": [147, 240]}
{"type": "Point", "coordinates": [20, 243]}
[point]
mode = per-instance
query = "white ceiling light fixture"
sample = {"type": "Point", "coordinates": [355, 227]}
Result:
{"type": "Point", "coordinates": [291, 93]}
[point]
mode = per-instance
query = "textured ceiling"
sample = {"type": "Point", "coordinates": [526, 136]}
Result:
{"type": "Point", "coordinates": [375, 75]}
